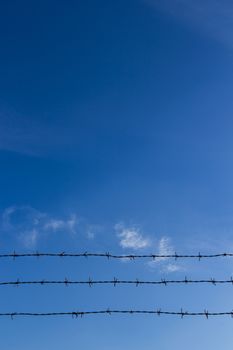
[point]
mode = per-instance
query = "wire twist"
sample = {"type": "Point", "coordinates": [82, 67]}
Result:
{"type": "Point", "coordinates": [158, 312]}
{"type": "Point", "coordinates": [116, 282]}
{"type": "Point", "coordinates": [109, 256]}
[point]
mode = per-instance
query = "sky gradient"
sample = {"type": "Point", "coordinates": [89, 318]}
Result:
{"type": "Point", "coordinates": [116, 135]}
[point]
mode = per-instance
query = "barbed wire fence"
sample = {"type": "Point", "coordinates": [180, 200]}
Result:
{"type": "Point", "coordinates": [108, 255]}
{"type": "Point", "coordinates": [116, 281]}
{"type": "Point", "coordinates": [158, 312]}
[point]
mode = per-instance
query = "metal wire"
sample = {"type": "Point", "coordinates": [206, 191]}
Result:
{"type": "Point", "coordinates": [107, 255]}
{"type": "Point", "coordinates": [115, 281]}
{"type": "Point", "coordinates": [158, 312]}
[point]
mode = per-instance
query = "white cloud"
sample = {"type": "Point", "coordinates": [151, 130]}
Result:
{"type": "Point", "coordinates": [172, 268]}
{"type": "Point", "coordinates": [29, 238]}
{"type": "Point", "coordinates": [58, 224]}
{"type": "Point", "coordinates": [90, 234]}
{"type": "Point", "coordinates": [29, 225]}
{"type": "Point", "coordinates": [131, 237]}
{"type": "Point", "coordinates": [72, 222]}
{"type": "Point", "coordinates": [54, 225]}
{"type": "Point", "coordinates": [7, 215]}
{"type": "Point", "coordinates": [21, 217]}
{"type": "Point", "coordinates": [92, 230]}
{"type": "Point", "coordinates": [164, 248]}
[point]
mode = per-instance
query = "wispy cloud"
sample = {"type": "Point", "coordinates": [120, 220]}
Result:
{"type": "Point", "coordinates": [30, 225]}
{"type": "Point", "coordinates": [131, 237]}
{"type": "Point", "coordinates": [210, 17]}
{"type": "Point", "coordinates": [59, 224]}
{"type": "Point", "coordinates": [172, 268]}
{"type": "Point", "coordinates": [6, 221]}
{"type": "Point", "coordinates": [54, 224]}
{"type": "Point", "coordinates": [29, 238]}
{"type": "Point", "coordinates": [23, 134]}
{"type": "Point", "coordinates": [92, 230]}
{"type": "Point", "coordinates": [165, 248]}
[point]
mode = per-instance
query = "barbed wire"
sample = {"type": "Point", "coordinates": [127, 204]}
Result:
{"type": "Point", "coordinates": [107, 255]}
{"type": "Point", "coordinates": [115, 281]}
{"type": "Point", "coordinates": [158, 312]}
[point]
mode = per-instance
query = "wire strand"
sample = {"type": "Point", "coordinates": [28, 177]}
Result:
{"type": "Point", "coordinates": [115, 281]}
{"type": "Point", "coordinates": [158, 312]}
{"type": "Point", "coordinates": [107, 255]}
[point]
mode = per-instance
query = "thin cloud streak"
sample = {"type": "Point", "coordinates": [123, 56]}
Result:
{"type": "Point", "coordinates": [23, 135]}
{"type": "Point", "coordinates": [212, 18]}
{"type": "Point", "coordinates": [59, 224]}
{"type": "Point", "coordinates": [29, 225]}
{"type": "Point", "coordinates": [165, 248]}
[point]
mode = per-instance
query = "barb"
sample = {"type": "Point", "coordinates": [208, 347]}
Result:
{"type": "Point", "coordinates": [109, 256]}
{"type": "Point", "coordinates": [116, 281]}
{"type": "Point", "coordinates": [158, 312]}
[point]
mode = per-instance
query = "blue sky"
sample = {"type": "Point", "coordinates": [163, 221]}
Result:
{"type": "Point", "coordinates": [116, 135]}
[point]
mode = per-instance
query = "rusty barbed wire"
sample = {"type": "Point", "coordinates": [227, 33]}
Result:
{"type": "Point", "coordinates": [115, 281]}
{"type": "Point", "coordinates": [158, 312]}
{"type": "Point", "coordinates": [107, 255]}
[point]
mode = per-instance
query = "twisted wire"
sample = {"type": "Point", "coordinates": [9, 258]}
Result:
{"type": "Point", "coordinates": [107, 255]}
{"type": "Point", "coordinates": [115, 281]}
{"type": "Point", "coordinates": [158, 312]}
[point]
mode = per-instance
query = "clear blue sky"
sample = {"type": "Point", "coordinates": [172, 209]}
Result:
{"type": "Point", "coordinates": [116, 135]}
